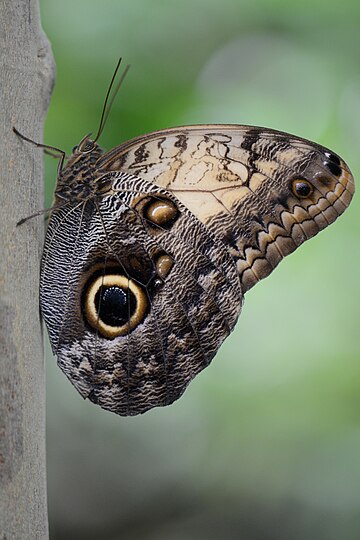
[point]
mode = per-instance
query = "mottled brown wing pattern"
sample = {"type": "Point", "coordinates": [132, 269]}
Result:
{"type": "Point", "coordinates": [151, 246]}
{"type": "Point", "coordinates": [187, 310]}
{"type": "Point", "coordinates": [240, 181]}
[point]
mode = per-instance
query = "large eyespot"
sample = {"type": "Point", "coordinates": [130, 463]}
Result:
{"type": "Point", "coordinates": [114, 305]}
{"type": "Point", "coordinates": [301, 188]}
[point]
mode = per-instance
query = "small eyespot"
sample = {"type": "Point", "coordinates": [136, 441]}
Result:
{"type": "Point", "coordinates": [114, 305]}
{"type": "Point", "coordinates": [302, 188]}
{"type": "Point", "coordinates": [163, 265]}
{"type": "Point", "coordinates": [161, 212]}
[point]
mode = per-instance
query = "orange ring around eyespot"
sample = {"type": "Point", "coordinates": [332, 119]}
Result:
{"type": "Point", "coordinates": [92, 315]}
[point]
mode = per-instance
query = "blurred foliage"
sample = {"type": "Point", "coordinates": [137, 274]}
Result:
{"type": "Point", "coordinates": [265, 443]}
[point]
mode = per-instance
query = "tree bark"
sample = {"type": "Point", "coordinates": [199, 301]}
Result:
{"type": "Point", "coordinates": [26, 80]}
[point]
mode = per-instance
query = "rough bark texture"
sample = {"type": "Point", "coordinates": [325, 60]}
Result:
{"type": "Point", "coordinates": [26, 80]}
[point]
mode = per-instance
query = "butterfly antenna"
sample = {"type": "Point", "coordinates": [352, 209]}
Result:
{"type": "Point", "coordinates": [108, 104]}
{"type": "Point", "coordinates": [45, 146]}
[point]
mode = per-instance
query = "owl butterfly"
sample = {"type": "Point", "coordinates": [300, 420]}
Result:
{"type": "Point", "coordinates": [151, 247]}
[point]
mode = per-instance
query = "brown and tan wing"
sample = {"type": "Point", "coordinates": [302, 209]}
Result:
{"type": "Point", "coordinates": [137, 295]}
{"type": "Point", "coordinates": [262, 192]}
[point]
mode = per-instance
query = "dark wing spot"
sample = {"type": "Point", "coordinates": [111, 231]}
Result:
{"type": "Point", "coordinates": [333, 158]}
{"type": "Point", "coordinates": [141, 154]}
{"type": "Point", "coordinates": [283, 201]}
{"type": "Point", "coordinates": [250, 139]}
{"type": "Point", "coordinates": [181, 141]}
{"type": "Point", "coordinates": [334, 168]}
{"type": "Point", "coordinates": [258, 219]}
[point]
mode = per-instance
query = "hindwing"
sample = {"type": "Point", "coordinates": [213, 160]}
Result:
{"type": "Point", "coordinates": [182, 285]}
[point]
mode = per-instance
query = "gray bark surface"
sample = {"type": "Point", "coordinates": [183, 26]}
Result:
{"type": "Point", "coordinates": [26, 80]}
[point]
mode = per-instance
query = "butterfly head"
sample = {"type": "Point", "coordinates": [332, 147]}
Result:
{"type": "Point", "coordinates": [86, 147]}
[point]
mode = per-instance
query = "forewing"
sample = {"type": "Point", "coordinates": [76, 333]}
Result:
{"type": "Point", "coordinates": [241, 182]}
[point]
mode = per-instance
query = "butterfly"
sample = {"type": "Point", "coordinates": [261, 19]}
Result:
{"type": "Point", "coordinates": [151, 247]}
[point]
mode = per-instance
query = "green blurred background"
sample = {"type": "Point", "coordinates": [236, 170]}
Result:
{"type": "Point", "coordinates": [265, 444]}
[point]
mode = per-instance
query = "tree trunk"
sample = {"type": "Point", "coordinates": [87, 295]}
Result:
{"type": "Point", "coordinates": [26, 80]}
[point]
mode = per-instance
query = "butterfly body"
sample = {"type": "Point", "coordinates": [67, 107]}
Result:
{"type": "Point", "coordinates": [152, 245]}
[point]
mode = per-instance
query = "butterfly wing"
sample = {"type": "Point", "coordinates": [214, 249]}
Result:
{"type": "Point", "coordinates": [144, 268]}
{"type": "Point", "coordinates": [136, 293]}
{"type": "Point", "coordinates": [262, 192]}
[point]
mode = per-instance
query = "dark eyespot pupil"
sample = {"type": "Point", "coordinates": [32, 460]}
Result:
{"type": "Point", "coordinates": [303, 189]}
{"type": "Point", "coordinates": [115, 305]}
